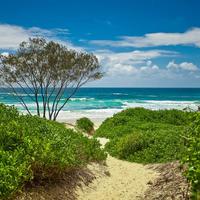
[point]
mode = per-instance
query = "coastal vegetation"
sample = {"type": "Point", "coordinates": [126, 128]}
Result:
{"type": "Point", "coordinates": [192, 157]}
{"type": "Point", "coordinates": [85, 124]}
{"type": "Point", "coordinates": [36, 149]}
{"type": "Point", "coordinates": [47, 72]}
{"type": "Point", "coordinates": [146, 136]}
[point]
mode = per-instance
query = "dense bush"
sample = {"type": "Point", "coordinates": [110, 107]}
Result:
{"type": "Point", "coordinates": [145, 136]}
{"type": "Point", "coordinates": [192, 157]}
{"type": "Point", "coordinates": [85, 125]}
{"type": "Point", "coordinates": [148, 147]}
{"type": "Point", "coordinates": [35, 148]}
{"type": "Point", "coordinates": [139, 118]}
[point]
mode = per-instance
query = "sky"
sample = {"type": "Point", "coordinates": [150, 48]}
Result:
{"type": "Point", "coordinates": [139, 43]}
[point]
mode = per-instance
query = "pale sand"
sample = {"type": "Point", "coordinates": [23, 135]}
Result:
{"type": "Point", "coordinates": [118, 180]}
{"type": "Point", "coordinates": [97, 116]}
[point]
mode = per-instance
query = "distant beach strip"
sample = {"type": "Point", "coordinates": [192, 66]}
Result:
{"type": "Point", "coordinates": [100, 103]}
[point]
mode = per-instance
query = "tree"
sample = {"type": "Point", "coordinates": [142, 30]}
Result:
{"type": "Point", "coordinates": [47, 72]}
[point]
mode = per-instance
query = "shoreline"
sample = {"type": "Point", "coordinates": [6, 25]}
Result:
{"type": "Point", "coordinates": [97, 117]}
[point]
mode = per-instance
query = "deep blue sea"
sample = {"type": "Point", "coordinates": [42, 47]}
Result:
{"type": "Point", "coordinates": [106, 101]}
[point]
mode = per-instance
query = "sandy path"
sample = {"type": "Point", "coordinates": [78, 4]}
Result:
{"type": "Point", "coordinates": [118, 180]}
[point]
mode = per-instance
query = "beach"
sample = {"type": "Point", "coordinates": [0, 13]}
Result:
{"type": "Point", "coordinates": [101, 103]}
{"type": "Point", "coordinates": [115, 179]}
{"type": "Point", "coordinates": [119, 179]}
{"type": "Point", "coordinates": [100, 100]}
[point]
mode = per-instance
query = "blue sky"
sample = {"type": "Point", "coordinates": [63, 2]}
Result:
{"type": "Point", "coordinates": [139, 43]}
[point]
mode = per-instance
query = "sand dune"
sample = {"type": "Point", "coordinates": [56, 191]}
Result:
{"type": "Point", "coordinates": [118, 180]}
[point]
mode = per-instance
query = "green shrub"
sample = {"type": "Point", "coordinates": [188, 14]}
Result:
{"type": "Point", "coordinates": [192, 157]}
{"type": "Point", "coordinates": [148, 147]}
{"type": "Point", "coordinates": [145, 136]}
{"type": "Point", "coordinates": [8, 113]}
{"type": "Point", "coordinates": [35, 148]}
{"type": "Point", "coordinates": [124, 146]}
{"type": "Point", "coordinates": [85, 125]}
{"type": "Point", "coordinates": [135, 118]}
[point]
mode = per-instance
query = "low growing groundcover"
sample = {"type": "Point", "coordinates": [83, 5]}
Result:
{"type": "Point", "coordinates": [146, 136]}
{"type": "Point", "coordinates": [163, 136]}
{"type": "Point", "coordinates": [35, 148]}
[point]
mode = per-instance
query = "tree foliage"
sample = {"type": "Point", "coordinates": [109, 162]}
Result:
{"type": "Point", "coordinates": [48, 70]}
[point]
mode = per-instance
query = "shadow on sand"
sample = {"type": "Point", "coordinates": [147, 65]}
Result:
{"type": "Point", "coordinates": [58, 189]}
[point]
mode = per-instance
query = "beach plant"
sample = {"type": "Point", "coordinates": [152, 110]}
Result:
{"type": "Point", "coordinates": [85, 124]}
{"type": "Point", "coordinates": [192, 156]}
{"type": "Point", "coordinates": [146, 136]}
{"type": "Point", "coordinates": [36, 149]}
{"type": "Point", "coordinates": [47, 72]}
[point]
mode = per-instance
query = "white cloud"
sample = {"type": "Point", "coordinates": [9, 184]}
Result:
{"type": "Point", "coordinates": [187, 66]}
{"type": "Point", "coordinates": [188, 38]}
{"type": "Point", "coordinates": [128, 62]}
{"type": "Point", "coordinates": [137, 68]}
{"type": "Point", "coordinates": [132, 57]}
{"type": "Point", "coordinates": [121, 70]}
{"type": "Point", "coordinates": [149, 70]}
{"type": "Point", "coordinates": [11, 36]}
{"type": "Point", "coordinates": [149, 76]}
{"type": "Point", "coordinates": [133, 68]}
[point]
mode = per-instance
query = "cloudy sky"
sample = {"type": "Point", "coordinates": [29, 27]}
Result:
{"type": "Point", "coordinates": [139, 43]}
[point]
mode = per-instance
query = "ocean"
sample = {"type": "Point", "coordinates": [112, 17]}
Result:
{"type": "Point", "coordinates": [99, 103]}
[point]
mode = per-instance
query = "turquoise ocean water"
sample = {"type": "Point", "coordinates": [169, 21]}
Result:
{"type": "Point", "coordinates": [102, 101]}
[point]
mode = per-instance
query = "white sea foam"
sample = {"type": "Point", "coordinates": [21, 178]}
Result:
{"type": "Point", "coordinates": [156, 105]}
{"type": "Point", "coordinates": [23, 94]}
{"type": "Point", "coordinates": [98, 115]}
{"type": "Point", "coordinates": [81, 99]}
{"type": "Point", "coordinates": [119, 94]}
{"type": "Point", "coordinates": [29, 105]}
